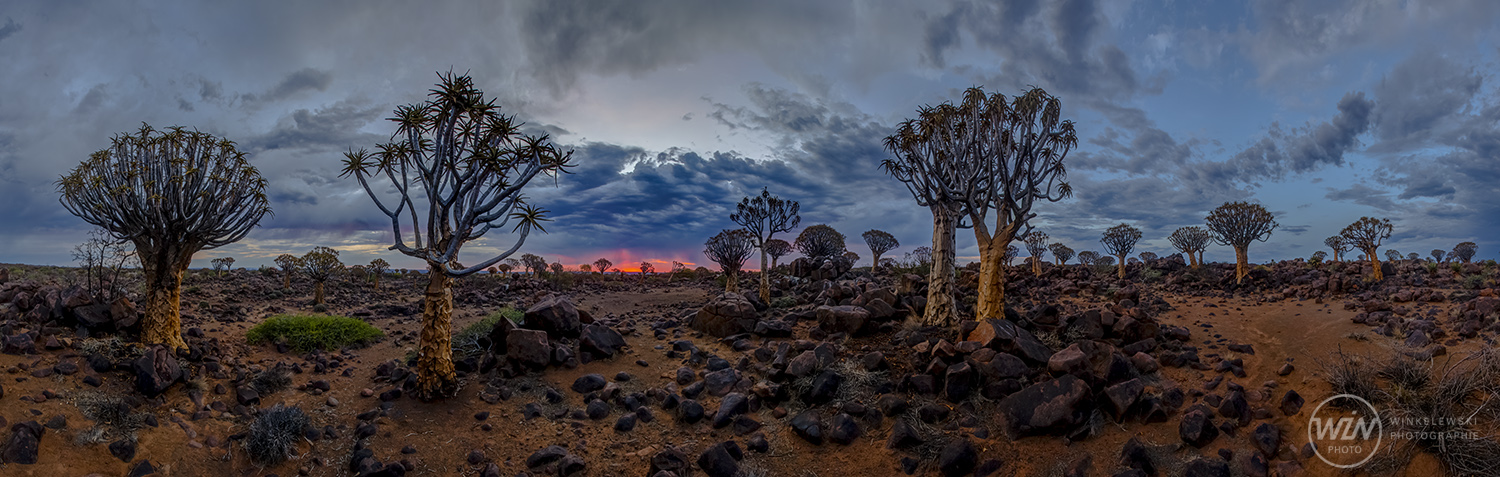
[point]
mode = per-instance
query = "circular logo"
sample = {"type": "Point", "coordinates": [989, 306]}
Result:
{"type": "Point", "coordinates": [1345, 431]}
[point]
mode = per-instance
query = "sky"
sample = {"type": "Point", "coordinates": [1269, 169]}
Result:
{"type": "Point", "coordinates": [1322, 111]}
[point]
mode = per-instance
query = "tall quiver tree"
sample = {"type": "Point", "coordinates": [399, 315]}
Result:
{"type": "Point", "coordinates": [602, 265]}
{"type": "Point", "coordinates": [1238, 224]}
{"type": "Point", "coordinates": [777, 248]}
{"type": "Point", "coordinates": [821, 242]}
{"type": "Point", "coordinates": [320, 264]}
{"type": "Point", "coordinates": [1060, 252]}
{"type": "Point", "coordinates": [879, 242]}
{"type": "Point", "coordinates": [1036, 245]}
{"type": "Point", "coordinates": [1366, 234]}
{"type": "Point", "coordinates": [730, 249]}
{"type": "Point", "coordinates": [1437, 254]}
{"type": "Point", "coordinates": [1191, 241]}
{"type": "Point", "coordinates": [171, 193]}
{"type": "Point", "coordinates": [377, 268]}
{"type": "Point", "coordinates": [1119, 241]}
{"type": "Point", "coordinates": [1464, 251]}
{"type": "Point", "coordinates": [1339, 245]}
{"type": "Point", "coordinates": [288, 264]}
{"type": "Point", "coordinates": [467, 164]}
{"type": "Point", "coordinates": [985, 153]}
{"type": "Point", "coordinates": [763, 216]}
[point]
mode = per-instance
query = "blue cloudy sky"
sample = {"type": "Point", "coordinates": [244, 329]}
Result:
{"type": "Point", "coordinates": [1323, 111]}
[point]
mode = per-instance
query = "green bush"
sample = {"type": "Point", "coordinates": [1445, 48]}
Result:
{"type": "Point", "coordinates": [466, 342]}
{"type": "Point", "coordinates": [308, 332]}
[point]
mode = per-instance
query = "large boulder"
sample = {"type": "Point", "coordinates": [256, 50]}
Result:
{"type": "Point", "coordinates": [124, 313]}
{"type": "Point", "coordinates": [555, 315]}
{"type": "Point", "coordinates": [1004, 335]}
{"type": "Point", "coordinates": [1048, 406]}
{"type": "Point", "coordinates": [156, 371]}
{"type": "Point", "coordinates": [21, 448]}
{"type": "Point", "coordinates": [601, 341]}
{"type": "Point", "coordinates": [729, 314]}
{"type": "Point", "coordinates": [529, 348]}
{"type": "Point", "coordinates": [843, 319]}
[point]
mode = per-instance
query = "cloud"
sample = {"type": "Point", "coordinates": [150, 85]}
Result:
{"type": "Point", "coordinates": [333, 127]}
{"type": "Point", "coordinates": [303, 80]}
{"type": "Point", "coordinates": [10, 28]}
{"type": "Point", "coordinates": [1281, 152]}
{"type": "Point", "coordinates": [1363, 195]}
{"type": "Point", "coordinates": [1422, 94]}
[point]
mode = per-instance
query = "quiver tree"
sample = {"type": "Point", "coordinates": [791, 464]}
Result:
{"type": "Point", "coordinates": [535, 264]}
{"type": "Point", "coordinates": [1437, 255]}
{"type": "Point", "coordinates": [170, 193]}
{"type": "Point", "coordinates": [1191, 241]}
{"type": "Point", "coordinates": [764, 216]}
{"type": "Point", "coordinates": [879, 242]}
{"type": "Point", "coordinates": [677, 268]}
{"type": "Point", "coordinates": [602, 265]}
{"type": "Point", "coordinates": [102, 258]}
{"type": "Point", "coordinates": [984, 154]}
{"type": "Point", "coordinates": [1366, 234]}
{"type": "Point", "coordinates": [851, 257]}
{"type": "Point", "coordinates": [320, 264]}
{"type": "Point", "coordinates": [1464, 251]}
{"type": "Point", "coordinates": [1339, 245]}
{"type": "Point", "coordinates": [1118, 241]}
{"type": "Point", "coordinates": [730, 249]}
{"type": "Point", "coordinates": [288, 264]}
{"type": "Point", "coordinates": [820, 242]}
{"type": "Point", "coordinates": [1238, 224]}
{"type": "Point", "coordinates": [1147, 256]}
{"type": "Point", "coordinates": [1036, 245]}
{"type": "Point", "coordinates": [920, 256]}
{"type": "Point", "coordinates": [379, 266]}
{"type": "Point", "coordinates": [504, 269]}
{"type": "Point", "coordinates": [556, 267]}
{"type": "Point", "coordinates": [776, 248]}
{"type": "Point", "coordinates": [1088, 257]}
{"type": "Point", "coordinates": [1413, 256]}
{"type": "Point", "coordinates": [1060, 252]}
{"type": "Point", "coordinates": [1010, 254]}
{"type": "Point", "coordinates": [1392, 255]}
{"type": "Point", "coordinates": [1318, 256]}
{"type": "Point", "coordinates": [467, 164]}
{"type": "Point", "coordinates": [646, 269]}
{"type": "Point", "coordinates": [222, 264]}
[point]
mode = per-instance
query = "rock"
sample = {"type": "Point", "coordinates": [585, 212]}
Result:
{"type": "Point", "coordinates": [529, 348]}
{"type": "Point", "coordinates": [843, 319]}
{"type": "Point", "coordinates": [1417, 339]}
{"type": "Point", "coordinates": [774, 328]}
{"type": "Point", "coordinates": [1004, 335]}
{"type": "Point", "coordinates": [19, 344]}
{"type": "Point", "coordinates": [94, 317]}
{"type": "Point", "coordinates": [843, 430]}
{"type": "Point", "coordinates": [1071, 360]}
{"type": "Point", "coordinates": [880, 309]}
{"type": "Point", "coordinates": [874, 361]}
{"type": "Point", "coordinates": [718, 383]}
{"type": "Point", "coordinates": [729, 314]}
{"type": "Point", "coordinates": [802, 365]}
{"type": "Point", "coordinates": [1006, 366]}
{"type": "Point", "coordinates": [600, 340]}
{"type": "Point", "coordinates": [717, 461]}
{"type": "Point", "coordinates": [1291, 403]}
{"type": "Point", "coordinates": [246, 396]}
{"type": "Point", "coordinates": [498, 335]}
{"type": "Point", "coordinates": [124, 313]}
{"type": "Point", "coordinates": [142, 468]}
{"type": "Point", "coordinates": [1144, 363]}
{"type": "Point", "coordinates": [690, 411]}
{"type": "Point", "coordinates": [808, 426]}
{"type": "Point", "coordinates": [1285, 369]}
{"type": "Point", "coordinates": [891, 405]}
{"type": "Point", "coordinates": [902, 436]}
{"type": "Point", "coordinates": [156, 370]}
{"type": "Point", "coordinates": [732, 405]}
{"type": "Point", "coordinates": [625, 423]}
{"type": "Point", "coordinates": [1267, 438]}
{"type": "Point", "coordinates": [475, 457]}
{"type": "Point", "coordinates": [1205, 467]}
{"type": "Point", "coordinates": [1136, 456]}
{"type": "Point", "coordinates": [758, 443]}
{"type": "Point", "coordinates": [669, 460]}
{"type": "Point", "coordinates": [1044, 407]}
{"type": "Point", "coordinates": [596, 410]}
{"type": "Point", "coordinates": [25, 440]}
{"type": "Point", "coordinates": [589, 383]}
{"type": "Point", "coordinates": [1121, 397]}
{"type": "Point", "coordinates": [1196, 428]}
{"type": "Point", "coordinates": [823, 388]}
{"type": "Point", "coordinates": [958, 458]}
{"type": "Point", "coordinates": [123, 449]}
{"type": "Point", "coordinates": [1236, 407]}
{"type": "Point", "coordinates": [546, 456]}
{"type": "Point", "coordinates": [555, 315]}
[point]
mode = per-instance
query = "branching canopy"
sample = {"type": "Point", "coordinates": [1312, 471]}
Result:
{"type": "Point", "coordinates": [1190, 240]}
{"type": "Point", "coordinates": [1088, 257]}
{"type": "Point", "coordinates": [777, 248]}
{"type": "Point", "coordinates": [1465, 251]}
{"type": "Point", "coordinates": [602, 265]}
{"type": "Point", "coordinates": [321, 263]}
{"type": "Point", "coordinates": [1237, 224]}
{"type": "Point", "coordinates": [1036, 243]}
{"type": "Point", "coordinates": [1367, 233]}
{"type": "Point", "coordinates": [1120, 239]}
{"type": "Point", "coordinates": [1338, 243]}
{"type": "Point", "coordinates": [1061, 252]}
{"type": "Point", "coordinates": [1148, 256]}
{"type": "Point", "coordinates": [766, 215]}
{"type": "Point", "coordinates": [1437, 254]}
{"type": "Point", "coordinates": [820, 241]}
{"type": "Point", "coordinates": [730, 249]}
{"type": "Point", "coordinates": [879, 242]}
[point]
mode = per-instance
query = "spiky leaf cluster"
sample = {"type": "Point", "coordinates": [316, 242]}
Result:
{"type": "Point", "coordinates": [1190, 240]}
{"type": "Point", "coordinates": [730, 249]}
{"type": "Point", "coordinates": [820, 242]}
{"type": "Point", "coordinates": [1237, 224]}
{"type": "Point", "coordinates": [1120, 239]}
{"type": "Point", "coordinates": [320, 263]}
{"type": "Point", "coordinates": [1036, 243]}
{"type": "Point", "coordinates": [1061, 252]}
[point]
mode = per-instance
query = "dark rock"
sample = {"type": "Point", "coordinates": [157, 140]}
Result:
{"type": "Point", "coordinates": [123, 449]}
{"type": "Point", "coordinates": [843, 319]}
{"type": "Point", "coordinates": [600, 340]}
{"type": "Point", "coordinates": [1136, 456]}
{"type": "Point", "coordinates": [717, 461]}
{"type": "Point", "coordinates": [625, 423]}
{"type": "Point", "coordinates": [823, 388]}
{"type": "Point", "coordinates": [1236, 407]}
{"type": "Point", "coordinates": [690, 411]}
{"type": "Point", "coordinates": [1121, 397]}
{"type": "Point", "coordinates": [843, 429]}
{"type": "Point", "coordinates": [1048, 406]}
{"type": "Point", "coordinates": [758, 443]}
{"type": "Point", "coordinates": [1205, 467]}
{"type": "Point", "coordinates": [891, 405]}
{"type": "Point", "coordinates": [1197, 428]}
{"type": "Point", "coordinates": [25, 440]}
{"type": "Point", "coordinates": [732, 405]}
{"type": "Point", "coordinates": [958, 458]}
{"type": "Point", "coordinates": [597, 410]}
{"type": "Point", "coordinates": [529, 348]}
{"type": "Point", "coordinates": [718, 383]}
{"type": "Point", "coordinates": [808, 425]}
{"type": "Point", "coordinates": [246, 396]}
{"type": "Point", "coordinates": [141, 469]}
{"type": "Point", "coordinates": [546, 456]}
{"type": "Point", "coordinates": [669, 460]}
{"type": "Point", "coordinates": [1291, 403]}
{"type": "Point", "coordinates": [1004, 335]}
{"type": "Point", "coordinates": [156, 370]}
{"type": "Point", "coordinates": [729, 314]}
{"type": "Point", "coordinates": [933, 413]}
{"type": "Point", "coordinates": [589, 383]}
{"type": "Point", "coordinates": [958, 383]}
{"type": "Point", "coordinates": [555, 315]}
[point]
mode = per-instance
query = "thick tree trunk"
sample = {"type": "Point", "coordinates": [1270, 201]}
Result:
{"type": "Point", "coordinates": [1121, 268]}
{"type": "Point", "coordinates": [318, 293]}
{"type": "Point", "coordinates": [163, 323]}
{"type": "Point", "coordinates": [1200, 257]}
{"type": "Point", "coordinates": [732, 281]}
{"type": "Point", "coordinates": [765, 278]}
{"type": "Point", "coordinates": [435, 375]}
{"type": "Point", "coordinates": [286, 281]}
{"type": "Point", "coordinates": [940, 306]}
{"type": "Point", "coordinates": [1241, 264]}
{"type": "Point", "coordinates": [876, 264]}
{"type": "Point", "coordinates": [1374, 265]}
{"type": "Point", "coordinates": [991, 301]}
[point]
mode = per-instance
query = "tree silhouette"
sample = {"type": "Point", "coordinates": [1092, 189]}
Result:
{"type": "Point", "coordinates": [820, 242]}
{"type": "Point", "coordinates": [534, 264]}
{"type": "Point", "coordinates": [1437, 255]}
{"type": "Point", "coordinates": [1413, 256]}
{"type": "Point", "coordinates": [288, 264]}
{"type": "Point", "coordinates": [776, 248]}
{"type": "Point", "coordinates": [320, 264]}
{"type": "Point", "coordinates": [1010, 254]}
{"type": "Point", "coordinates": [602, 265]}
{"type": "Point", "coordinates": [222, 264]}
{"type": "Point", "coordinates": [504, 268]}
{"type": "Point", "coordinates": [1061, 252]}
{"type": "Point", "coordinates": [469, 164]}
{"type": "Point", "coordinates": [1191, 241]}
{"type": "Point", "coordinates": [879, 242]}
{"type": "Point", "coordinates": [170, 193]}
{"type": "Point", "coordinates": [1036, 245]}
{"type": "Point", "coordinates": [1366, 234]}
{"type": "Point", "coordinates": [1088, 257]}
{"type": "Point", "coordinates": [730, 249]}
{"type": "Point", "coordinates": [646, 269]}
{"type": "Point", "coordinates": [1118, 241]}
{"type": "Point", "coordinates": [1148, 256]}
{"type": "Point", "coordinates": [983, 154]}
{"type": "Point", "coordinates": [379, 266]}
{"type": "Point", "coordinates": [1339, 245]}
{"type": "Point", "coordinates": [1238, 224]}
{"type": "Point", "coordinates": [1392, 255]}
{"type": "Point", "coordinates": [1465, 251]}
{"type": "Point", "coordinates": [920, 256]}
{"type": "Point", "coordinates": [763, 216]}
{"type": "Point", "coordinates": [1318, 256]}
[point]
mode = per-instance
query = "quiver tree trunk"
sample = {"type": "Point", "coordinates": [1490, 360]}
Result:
{"type": "Point", "coordinates": [765, 278]}
{"type": "Point", "coordinates": [1120, 270]}
{"type": "Point", "coordinates": [1192, 260]}
{"type": "Point", "coordinates": [318, 293]}
{"type": "Point", "coordinates": [435, 375]}
{"type": "Point", "coordinates": [1241, 264]}
{"type": "Point", "coordinates": [286, 280]}
{"type": "Point", "coordinates": [1374, 265]}
{"type": "Point", "coordinates": [991, 300]}
{"type": "Point", "coordinates": [940, 306]}
{"type": "Point", "coordinates": [163, 323]}
{"type": "Point", "coordinates": [1036, 266]}
{"type": "Point", "coordinates": [732, 281]}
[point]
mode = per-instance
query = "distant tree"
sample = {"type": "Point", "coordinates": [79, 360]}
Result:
{"type": "Point", "coordinates": [985, 154]}
{"type": "Point", "coordinates": [1339, 245]}
{"type": "Point", "coordinates": [1414, 256]}
{"type": "Point", "coordinates": [679, 268]}
{"type": "Point", "coordinates": [1105, 261]}
{"type": "Point", "coordinates": [288, 264]}
{"type": "Point", "coordinates": [851, 257]}
{"type": "Point", "coordinates": [1088, 257]}
{"type": "Point", "coordinates": [1239, 224]}
{"type": "Point", "coordinates": [1010, 254]}
{"type": "Point", "coordinates": [701, 272]}
{"type": "Point", "coordinates": [820, 242]}
{"type": "Point", "coordinates": [1318, 256]}
{"type": "Point", "coordinates": [776, 248]}
{"type": "Point", "coordinates": [585, 268]}
{"type": "Point", "coordinates": [1366, 234]}
{"type": "Point", "coordinates": [1392, 255]}
{"type": "Point", "coordinates": [763, 216]}
{"type": "Point", "coordinates": [222, 264]}
{"type": "Point", "coordinates": [320, 264]}
{"type": "Point", "coordinates": [730, 249]}
{"type": "Point", "coordinates": [888, 262]}
{"type": "Point", "coordinates": [379, 267]}
{"type": "Point", "coordinates": [1133, 261]}
{"type": "Point", "coordinates": [1036, 245]}
{"type": "Point", "coordinates": [1118, 241]}
{"type": "Point", "coordinates": [468, 165]}
{"type": "Point", "coordinates": [535, 264]}
{"type": "Point", "coordinates": [1464, 251]}
{"type": "Point", "coordinates": [504, 268]}
{"type": "Point", "coordinates": [1437, 255]}
{"type": "Point", "coordinates": [557, 268]}
{"type": "Point", "coordinates": [102, 258]}
{"type": "Point", "coordinates": [514, 263]}
{"type": "Point", "coordinates": [1147, 256]}
{"type": "Point", "coordinates": [171, 194]}
{"type": "Point", "coordinates": [920, 256]}
{"type": "Point", "coordinates": [646, 269]}
{"type": "Point", "coordinates": [879, 242]}
{"type": "Point", "coordinates": [602, 265]}
{"type": "Point", "coordinates": [1061, 252]}
{"type": "Point", "coordinates": [1191, 241]}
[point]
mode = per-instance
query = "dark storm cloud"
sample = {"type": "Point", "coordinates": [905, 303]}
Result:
{"type": "Point", "coordinates": [303, 80]}
{"type": "Point", "coordinates": [91, 101]}
{"type": "Point", "coordinates": [1282, 152]}
{"type": "Point", "coordinates": [1420, 94]}
{"type": "Point", "coordinates": [332, 127]}
{"type": "Point", "coordinates": [10, 28]}
{"type": "Point", "coordinates": [1364, 195]}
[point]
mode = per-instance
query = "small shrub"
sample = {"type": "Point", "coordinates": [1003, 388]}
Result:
{"type": "Point", "coordinates": [320, 308]}
{"type": "Point", "coordinates": [309, 332]}
{"type": "Point", "coordinates": [1432, 268]}
{"type": "Point", "coordinates": [271, 380]}
{"type": "Point", "coordinates": [274, 434]}
{"type": "Point", "coordinates": [784, 302]}
{"type": "Point", "coordinates": [1150, 275]}
{"type": "Point", "coordinates": [466, 341]}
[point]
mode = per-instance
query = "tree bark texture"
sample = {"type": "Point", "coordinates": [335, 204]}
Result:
{"type": "Point", "coordinates": [1241, 264]}
{"type": "Point", "coordinates": [940, 306]}
{"type": "Point", "coordinates": [163, 323]}
{"type": "Point", "coordinates": [435, 375]}
{"type": "Point", "coordinates": [765, 278]}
